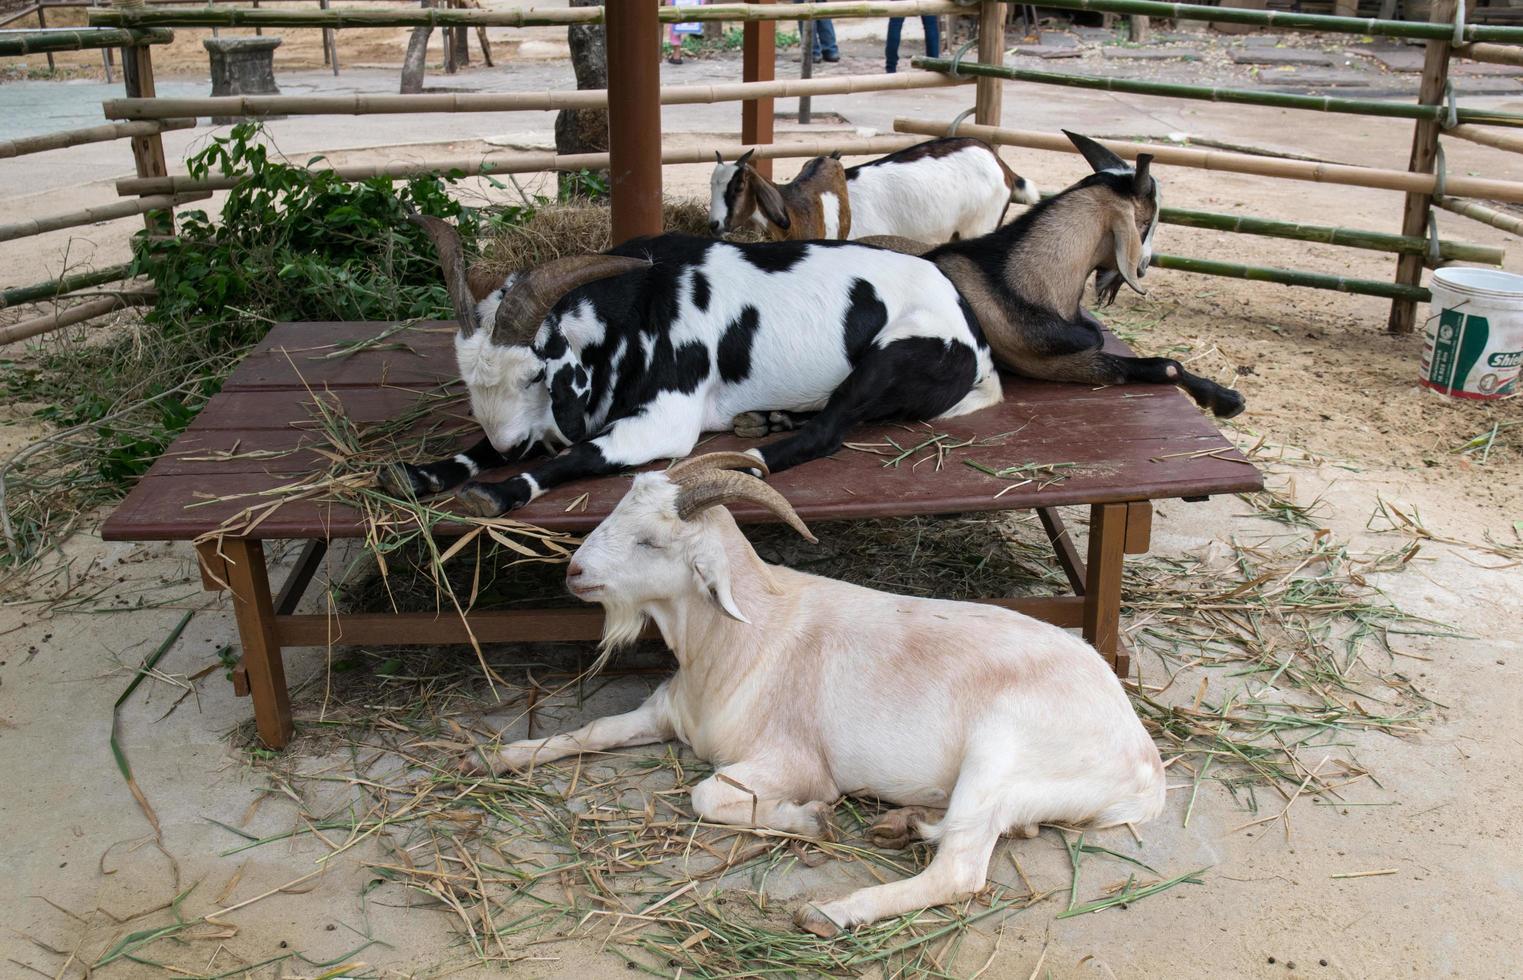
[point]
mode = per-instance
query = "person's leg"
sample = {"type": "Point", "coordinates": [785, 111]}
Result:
{"type": "Point", "coordinates": [825, 38]}
{"type": "Point", "coordinates": [891, 49]}
{"type": "Point", "coordinates": [932, 27]}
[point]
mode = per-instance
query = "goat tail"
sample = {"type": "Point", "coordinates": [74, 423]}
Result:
{"type": "Point", "coordinates": [1022, 191]}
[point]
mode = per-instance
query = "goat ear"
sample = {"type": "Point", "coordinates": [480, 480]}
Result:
{"type": "Point", "coordinates": [771, 203]}
{"type": "Point", "coordinates": [835, 155]}
{"type": "Point", "coordinates": [1100, 159]}
{"type": "Point", "coordinates": [714, 575]}
{"type": "Point", "coordinates": [1128, 244]}
{"type": "Point", "coordinates": [1142, 183]}
{"type": "Point", "coordinates": [745, 157]}
{"type": "Point", "coordinates": [568, 407]}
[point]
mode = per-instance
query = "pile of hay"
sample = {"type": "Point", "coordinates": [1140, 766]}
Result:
{"type": "Point", "coordinates": [573, 229]}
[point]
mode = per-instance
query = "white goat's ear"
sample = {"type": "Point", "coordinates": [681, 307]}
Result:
{"type": "Point", "coordinates": [714, 576]}
{"type": "Point", "coordinates": [1128, 245]}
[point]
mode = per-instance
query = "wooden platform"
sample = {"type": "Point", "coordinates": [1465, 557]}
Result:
{"type": "Point", "coordinates": [1123, 447]}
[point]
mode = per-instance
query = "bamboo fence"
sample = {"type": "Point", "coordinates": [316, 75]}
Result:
{"type": "Point", "coordinates": [1480, 212]}
{"type": "Point", "coordinates": [1475, 134]}
{"type": "Point", "coordinates": [103, 212]}
{"type": "Point", "coordinates": [18, 43]}
{"type": "Point", "coordinates": [1495, 54]}
{"type": "Point", "coordinates": [1287, 20]}
{"type": "Point", "coordinates": [1448, 251]}
{"type": "Point", "coordinates": [1240, 163]}
{"type": "Point", "coordinates": [360, 105]}
{"type": "Point", "coordinates": [63, 285]}
{"type": "Point", "coordinates": [1207, 93]}
{"type": "Point", "coordinates": [518, 162]}
{"type": "Point", "coordinates": [94, 134]}
{"type": "Point", "coordinates": [511, 17]}
{"type": "Point", "coordinates": [1293, 277]}
{"type": "Point", "coordinates": [75, 314]}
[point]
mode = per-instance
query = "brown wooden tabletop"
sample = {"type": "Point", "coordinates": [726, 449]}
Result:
{"type": "Point", "coordinates": [1124, 443]}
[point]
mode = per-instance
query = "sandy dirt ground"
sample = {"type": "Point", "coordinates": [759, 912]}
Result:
{"type": "Point", "coordinates": [1318, 373]}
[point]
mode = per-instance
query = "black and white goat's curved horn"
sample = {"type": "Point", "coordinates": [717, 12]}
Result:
{"type": "Point", "coordinates": [715, 487]}
{"type": "Point", "coordinates": [527, 301]}
{"type": "Point", "coordinates": [686, 469]}
{"type": "Point", "coordinates": [446, 239]}
{"type": "Point", "coordinates": [1100, 159]}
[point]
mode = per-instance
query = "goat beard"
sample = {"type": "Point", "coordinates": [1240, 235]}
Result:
{"type": "Point", "coordinates": [622, 624]}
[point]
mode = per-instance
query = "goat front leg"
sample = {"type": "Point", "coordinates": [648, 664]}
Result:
{"type": "Point", "coordinates": [416, 480]}
{"type": "Point", "coordinates": [650, 722]}
{"type": "Point", "coordinates": [745, 795]}
{"type": "Point", "coordinates": [667, 428]}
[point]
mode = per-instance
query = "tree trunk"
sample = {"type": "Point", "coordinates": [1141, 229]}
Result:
{"type": "Point", "coordinates": [584, 130]}
{"type": "Point", "coordinates": [415, 61]}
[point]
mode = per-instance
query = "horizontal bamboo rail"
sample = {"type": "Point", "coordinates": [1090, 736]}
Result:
{"type": "Point", "coordinates": [62, 286]}
{"type": "Point", "coordinates": [517, 17]}
{"type": "Point", "coordinates": [519, 162]}
{"type": "Point", "coordinates": [1287, 20]}
{"type": "Point", "coordinates": [362, 105]}
{"type": "Point", "coordinates": [1480, 212]}
{"type": "Point", "coordinates": [1292, 277]}
{"type": "Point", "coordinates": [94, 134]}
{"type": "Point", "coordinates": [1448, 251]}
{"type": "Point", "coordinates": [1495, 54]}
{"type": "Point", "coordinates": [1207, 93]}
{"type": "Point", "coordinates": [1239, 163]}
{"type": "Point", "coordinates": [103, 212]}
{"type": "Point", "coordinates": [69, 316]}
{"type": "Point", "coordinates": [17, 43]}
{"type": "Point", "coordinates": [1475, 134]}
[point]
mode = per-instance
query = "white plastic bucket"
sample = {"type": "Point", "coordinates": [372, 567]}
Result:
{"type": "Point", "coordinates": [1473, 337]}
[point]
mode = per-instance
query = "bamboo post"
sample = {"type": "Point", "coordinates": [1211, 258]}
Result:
{"type": "Point", "coordinates": [74, 314]}
{"type": "Point", "coordinates": [1240, 163]}
{"type": "Point", "coordinates": [524, 163]}
{"type": "Point", "coordinates": [989, 104]}
{"type": "Point", "coordinates": [1293, 277]}
{"type": "Point", "coordinates": [147, 149]}
{"type": "Point", "coordinates": [1138, 28]}
{"type": "Point", "coordinates": [758, 64]}
{"type": "Point", "coordinates": [1414, 221]}
{"type": "Point", "coordinates": [358, 105]}
{"type": "Point", "coordinates": [1494, 54]}
{"type": "Point", "coordinates": [104, 212]}
{"type": "Point", "coordinates": [63, 285]}
{"type": "Point", "coordinates": [1208, 93]}
{"type": "Point", "coordinates": [1479, 212]}
{"type": "Point", "coordinates": [634, 118]}
{"type": "Point", "coordinates": [94, 134]}
{"type": "Point", "coordinates": [258, 31]}
{"type": "Point", "coordinates": [806, 69]}
{"type": "Point", "coordinates": [42, 24]}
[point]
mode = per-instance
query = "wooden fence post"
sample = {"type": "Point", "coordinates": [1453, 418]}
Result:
{"type": "Point", "coordinates": [1409, 268]}
{"type": "Point", "coordinates": [989, 101]}
{"type": "Point", "coordinates": [147, 151]}
{"type": "Point", "coordinates": [633, 35]}
{"type": "Point", "coordinates": [758, 64]}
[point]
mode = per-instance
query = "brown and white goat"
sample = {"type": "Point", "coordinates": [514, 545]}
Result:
{"type": "Point", "coordinates": [1025, 282]}
{"type": "Point", "coordinates": [811, 207]}
{"type": "Point", "coordinates": [975, 719]}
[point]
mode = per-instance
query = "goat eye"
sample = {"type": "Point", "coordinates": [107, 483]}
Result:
{"type": "Point", "coordinates": [648, 543]}
{"type": "Point", "coordinates": [537, 379]}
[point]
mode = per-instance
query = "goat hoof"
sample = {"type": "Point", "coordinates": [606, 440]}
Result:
{"type": "Point", "coordinates": [811, 919]}
{"type": "Point", "coordinates": [1228, 404]}
{"type": "Point", "coordinates": [478, 501]}
{"type": "Point", "coordinates": [824, 827]}
{"type": "Point", "coordinates": [781, 422]}
{"type": "Point", "coordinates": [896, 828]}
{"type": "Point", "coordinates": [750, 425]}
{"type": "Point", "coordinates": [400, 480]}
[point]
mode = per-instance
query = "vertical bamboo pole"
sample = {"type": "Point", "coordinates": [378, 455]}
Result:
{"type": "Point", "coordinates": [258, 31]}
{"type": "Point", "coordinates": [989, 101]}
{"type": "Point", "coordinates": [806, 69]}
{"type": "Point", "coordinates": [634, 116]}
{"type": "Point", "coordinates": [147, 151]}
{"type": "Point", "coordinates": [1409, 268]}
{"type": "Point", "coordinates": [42, 22]}
{"type": "Point", "coordinates": [758, 64]}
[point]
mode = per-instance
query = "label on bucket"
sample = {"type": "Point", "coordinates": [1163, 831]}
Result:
{"type": "Point", "coordinates": [1460, 358]}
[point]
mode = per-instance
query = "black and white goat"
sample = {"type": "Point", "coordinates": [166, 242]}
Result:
{"type": "Point", "coordinates": [934, 191]}
{"type": "Point", "coordinates": [1026, 281]}
{"type": "Point", "coordinates": [630, 356]}
{"type": "Point", "coordinates": [812, 206]}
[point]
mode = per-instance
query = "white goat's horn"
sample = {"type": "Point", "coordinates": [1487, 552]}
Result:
{"type": "Point", "coordinates": [717, 487]}
{"type": "Point", "coordinates": [685, 469]}
{"type": "Point", "coordinates": [524, 306]}
{"type": "Point", "coordinates": [446, 239]}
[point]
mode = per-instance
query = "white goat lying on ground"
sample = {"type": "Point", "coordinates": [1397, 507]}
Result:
{"type": "Point", "coordinates": [801, 690]}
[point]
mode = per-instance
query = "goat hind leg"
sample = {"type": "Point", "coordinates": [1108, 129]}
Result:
{"type": "Point", "coordinates": [1098, 367]}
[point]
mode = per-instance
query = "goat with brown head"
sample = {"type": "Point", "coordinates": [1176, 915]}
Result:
{"type": "Point", "coordinates": [812, 206]}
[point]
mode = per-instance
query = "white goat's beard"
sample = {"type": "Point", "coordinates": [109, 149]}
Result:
{"type": "Point", "coordinates": [622, 623]}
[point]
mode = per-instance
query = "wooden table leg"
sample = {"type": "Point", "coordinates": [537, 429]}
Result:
{"type": "Point", "coordinates": [1063, 546]}
{"type": "Point", "coordinates": [1102, 588]}
{"type": "Point", "coordinates": [249, 581]}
